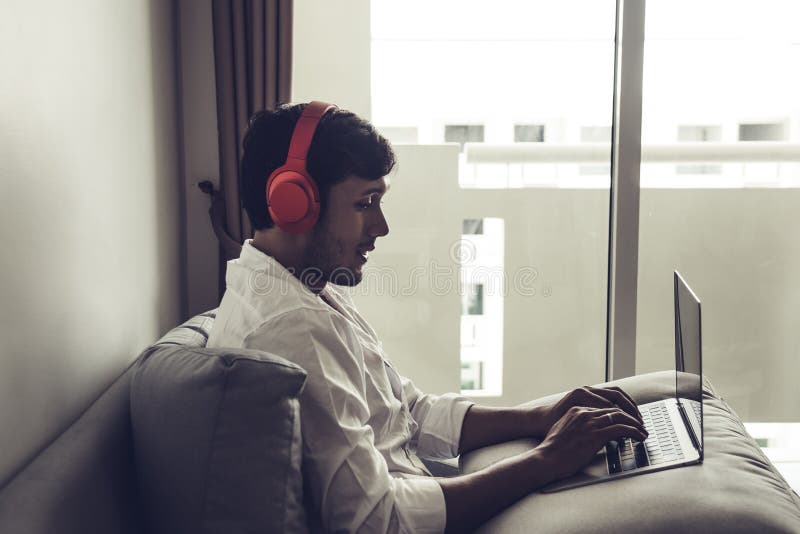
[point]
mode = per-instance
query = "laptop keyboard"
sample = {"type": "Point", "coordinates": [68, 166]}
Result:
{"type": "Point", "coordinates": [661, 445]}
{"type": "Point", "coordinates": [696, 407]}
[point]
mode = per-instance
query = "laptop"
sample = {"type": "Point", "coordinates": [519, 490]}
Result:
{"type": "Point", "coordinates": [674, 425]}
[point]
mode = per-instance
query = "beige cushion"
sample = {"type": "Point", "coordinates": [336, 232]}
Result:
{"type": "Point", "coordinates": [735, 490]}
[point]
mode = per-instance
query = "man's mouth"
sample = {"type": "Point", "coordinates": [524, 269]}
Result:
{"type": "Point", "coordinates": [364, 250]}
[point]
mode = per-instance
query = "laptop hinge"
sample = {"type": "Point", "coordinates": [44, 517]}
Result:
{"type": "Point", "coordinates": [689, 427]}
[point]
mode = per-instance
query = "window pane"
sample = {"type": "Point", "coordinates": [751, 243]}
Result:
{"type": "Point", "coordinates": [472, 226]}
{"type": "Point", "coordinates": [529, 133]}
{"type": "Point", "coordinates": [471, 376]}
{"type": "Point", "coordinates": [463, 133]}
{"type": "Point", "coordinates": [728, 225]}
{"type": "Point", "coordinates": [762, 132]}
{"type": "Point", "coordinates": [502, 77]}
{"type": "Point", "coordinates": [472, 301]}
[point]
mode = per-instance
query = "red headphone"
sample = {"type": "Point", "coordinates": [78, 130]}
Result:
{"type": "Point", "coordinates": [292, 194]}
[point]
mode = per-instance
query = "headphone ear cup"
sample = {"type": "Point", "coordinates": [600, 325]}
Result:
{"type": "Point", "coordinates": [292, 194]}
{"type": "Point", "coordinates": [292, 201]}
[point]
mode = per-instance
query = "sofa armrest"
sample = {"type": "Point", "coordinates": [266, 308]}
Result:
{"type": "Point", "coordinates": [736, 488]}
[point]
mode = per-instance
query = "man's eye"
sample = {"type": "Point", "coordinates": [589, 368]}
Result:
{"type": "Point", "coordinates": [370, 202]}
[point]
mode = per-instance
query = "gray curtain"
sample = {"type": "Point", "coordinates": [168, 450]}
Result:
{"type": "Point", "coordinates": [253, 63]}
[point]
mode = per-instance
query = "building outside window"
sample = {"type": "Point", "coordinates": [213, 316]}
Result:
{"type": "Point", "coordinates": [721, 222]}
{"type": "Point", "coordinates": [596, 134]}
{"type": "Point", "coordinates": [699, 134]}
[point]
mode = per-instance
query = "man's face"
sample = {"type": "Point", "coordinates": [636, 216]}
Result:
{"type": "Point", "coordinates": [352, 220]}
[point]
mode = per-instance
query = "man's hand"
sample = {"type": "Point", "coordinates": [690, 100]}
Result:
{"type": "Point", "coordinates": [574, 439]}
{"type": "Point", "coordinates": [588, 397]}
{"type": "Point", "coordinates": [570, 444]}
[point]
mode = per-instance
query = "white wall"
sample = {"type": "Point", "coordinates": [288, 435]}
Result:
{"type": "Point", "coordinates": [198, 101]}
{"type": "Point", "coordinates": [89, 273]}
{"type": "Point", "coordinates": [331, 53]}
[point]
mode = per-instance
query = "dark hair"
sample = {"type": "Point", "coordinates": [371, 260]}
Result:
{"type": "Point", "coordinates": [344, 144]}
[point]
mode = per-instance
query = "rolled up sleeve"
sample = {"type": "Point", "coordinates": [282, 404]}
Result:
{"type": "Point", "coordinates": [439, 417]}
{"type": "Point", "coordinates": [347, 477]}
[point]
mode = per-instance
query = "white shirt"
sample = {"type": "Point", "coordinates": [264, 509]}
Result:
{"type": "Point", "coordinates": [363, 424]}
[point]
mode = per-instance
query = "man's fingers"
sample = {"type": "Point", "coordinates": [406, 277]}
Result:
{"type": "Point", "coordinates": [622, 392]}
{"type": "Point", "coordinates": [615, 431]}
{"type": "Point", "coordinates": [616, 396]}
{"type": "Point", "coordinates": [607, 397]}
{"type": "Point", "coordinates": [614, 416]}
{"type": "Point", "coordinates": [590, 399]}
{"type": "Point", "coordinates": [617, 388]}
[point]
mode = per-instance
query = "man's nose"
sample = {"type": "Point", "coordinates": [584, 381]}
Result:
{"type": "Point", "coordinates": [379, 227]}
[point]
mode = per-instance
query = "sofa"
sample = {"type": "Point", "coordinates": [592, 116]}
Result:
{"type": "Point", "coordinates": [174, 445]}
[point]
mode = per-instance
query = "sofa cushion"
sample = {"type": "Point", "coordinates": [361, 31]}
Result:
{"type": "Point", "coordinates": [735, 490]}
{"type": "Point", "coordinates": [217, 440]}
{"type": "Point", "coordinates": [192, 333]}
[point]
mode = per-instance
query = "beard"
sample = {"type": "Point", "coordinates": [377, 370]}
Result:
{"type": "Point", "coordinates": [325, 260]}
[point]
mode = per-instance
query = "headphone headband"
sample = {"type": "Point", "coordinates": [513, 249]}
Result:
{"type": "Point", "coordinates": [305, 128]}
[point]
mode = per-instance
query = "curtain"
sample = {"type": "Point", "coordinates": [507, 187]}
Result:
{"type": "Point", "coordinates": [253, 67]}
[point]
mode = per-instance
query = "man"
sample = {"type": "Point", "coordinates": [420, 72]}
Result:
{"type": "Point", "coordinates": [365, 426]}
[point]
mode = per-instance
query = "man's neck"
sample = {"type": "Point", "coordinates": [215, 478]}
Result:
{"type": "Point", "coordinates": [277, 246]}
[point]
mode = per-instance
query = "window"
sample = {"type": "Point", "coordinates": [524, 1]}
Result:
{"type": "Point", "coordinates": [762, 132]}
{"type": "Point", "coordinates": [472, 300]}
{"type": "Point", "coordinates": [482, 283]}
{"type": "Point", "coordinates": [730, 82]}
{"type": "Point", "coordinates": [529, 133]}
{"type": "Point", "coordinates": [761, 174]}
{"type": "Point", "coordinates": [471, 376]}
{"type": "Point", "coordinates": [699, 133]}
{"type": "Point", "coordinates": [707, 80]}
{"type": "Point", "coordinates": [463, 133]}
{"type": "Point", "coordinates": [472, 227]}
{"type": "Point", "coordinates": [441, 72]}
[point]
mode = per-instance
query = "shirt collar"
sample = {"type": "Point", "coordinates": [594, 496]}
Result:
{"type": "Point", "coordinates": [254, 259]}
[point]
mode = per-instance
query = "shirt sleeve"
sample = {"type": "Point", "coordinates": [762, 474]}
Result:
{"type": "Point", "coordinates": [347, 477]}
{"type": "Point", "coordinates": [439, 419]}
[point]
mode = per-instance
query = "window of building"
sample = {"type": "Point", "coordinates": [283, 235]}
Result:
{"type": "Point", "coordinates": [472, 227]}
{"type": "Point", "coordinates": [472, 300]}
{"type": "Point", "coordinates": [762, 173]}
{"type": "Point", "coordinates": [472, 376]}
{"type": "Point", "coordinates": [762, 132]}
{"type": "Point", "coordinates": [463, 133]}
{"type": "Point", "coordinates": [529, 133]}
{"type": "Point", "coordinates": [482, 283]}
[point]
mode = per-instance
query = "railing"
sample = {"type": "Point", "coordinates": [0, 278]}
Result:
{"type": "Point", "coordinates": [706, 152]}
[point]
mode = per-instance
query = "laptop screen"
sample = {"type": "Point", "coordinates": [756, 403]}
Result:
{"type": "Point", "coordinates": [688, 352]}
